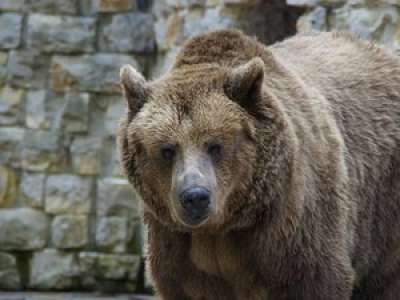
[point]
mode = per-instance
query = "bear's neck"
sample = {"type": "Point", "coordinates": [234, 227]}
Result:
{"type": "Point", "coordinates": [219, 255]}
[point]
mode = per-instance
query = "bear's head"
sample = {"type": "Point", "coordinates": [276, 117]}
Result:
{"type": "Point", "coordinates": [188, 143]}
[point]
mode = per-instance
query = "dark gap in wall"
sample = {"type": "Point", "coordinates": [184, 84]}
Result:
{"type": "Point", "coordinates": [144, 5]}
{"type": "Point", "coordinates": [272, 20]}
{"type": "Point", "coordinates": [23, 266]}
{"type": "Point", "coordinates": [140, 284]}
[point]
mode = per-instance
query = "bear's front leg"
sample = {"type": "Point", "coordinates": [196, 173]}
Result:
{"type": "Point", "coordinates": [328, 279]}
{"type": "Point", "coordinates": [174, 276]}
{"type": "Point", "coordinates": [166, 260]}
{"type": "Point", "coordinates": [390, 292]}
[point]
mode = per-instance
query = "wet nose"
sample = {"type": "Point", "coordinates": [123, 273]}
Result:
{"type": "Point", "coordinates": [195, 201]}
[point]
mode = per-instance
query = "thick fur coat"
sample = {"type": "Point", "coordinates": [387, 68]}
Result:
{"type": "Point", "coordinates": [307, 187]}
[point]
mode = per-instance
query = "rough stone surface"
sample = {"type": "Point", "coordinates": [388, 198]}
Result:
{"type": "Point", "coordinates": [131, 32]}
{"type": "Point", "coordinates": [311, 3]}
{"type": "Point", "coordinates": [113, 114]}
{"type": "Point", "coordinates": [302, 2]}
{"type": "Point", "coordinates": [101, 6]}
{"type": "Point", "coordinates": [89, 73]}
{"type": "Point", "coordinates": [23, 229]}
{"type": "Point", "coordinates": [118, 266]}
{"type": "Point", "coordinates": [378, 24]}
{"type": "Point", "coordinates": [69, 232]}
{"type": "Point", "coordinates": [169, 32]}
{"type": "Point", "coordinates": [174, 29]}
{"type": "Point", "coordinates": [3, 57]}
{"type": "Point", "coordinates": [53, 6]}
{"type": "Point", "coordinates": [86, 155]}
{"type": "Point", "coordinates": [197, 23]}
{"type": "Point", "coordinates": [52, 269]}
{"type": "Point", "coordinates": [12, 5]}
{"type": "Point", "coordinates": [27, 68]}
{"type": "Point", "coordinates": [98, 106]}
{"type": "Point", "coordinates": [112, 234]}
{"type": "Point", "coordinates": [186, 3]}
{"type": "Point", "coordinates": [87, 267]}
{"type": "Point", "coordinates": [240, 2]}
{"type": "Point", "coordinates": [3, 66]}
{"type": "Point", "coordinates": [314, 20]}
{"type": "Point", "coordinates": [61, 34]}
{"type": "Point", "coordinates": [76, 112]}
{"type": "Point", "coordinates": [372, 20]}
{"type": "Point", "coordinates": [10, 145]}
{"type": "Point", "coordinates": [164, 62]}
{"type": "Point", "coordinates": [68, 194]}
{"type": "Point", "coordinates": [11, 102]}
{"type": "Point", "coordinates": [113, 165]}
{"type": "Point", "coordinates": [110, 266]}
{"type": "Point", "coordinates": [36, 116]}
{"type": "Point", "coordinates": [57, 112]}
{"type": "Point", "coordinates": [108, 272]}
{"type": "Point", "coordinates": [10, 33]}
{"type": "Point", "coordinates": [37, 113]}
{"type": "Point", "coordinates": [42, 150]}
{"type": "Point", "coordinates": [116, 197]}
{"type": "Point", "coordinates": [32, 189]}
{"type": "Point", "coordinates": [9, 276]}
{"type": "Point", "coordinates": [8, 187]}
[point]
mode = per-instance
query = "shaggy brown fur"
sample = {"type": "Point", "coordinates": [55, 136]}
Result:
{"type": "Point", "coordinates": [305, 199]}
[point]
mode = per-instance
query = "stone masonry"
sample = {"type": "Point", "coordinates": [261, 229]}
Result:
{"type": "Point", "coordinates": [68, 217]}
{"type": "Point", "coordinates": [377, 20]}
{"type": "Point", "coordinates": [69, 220]}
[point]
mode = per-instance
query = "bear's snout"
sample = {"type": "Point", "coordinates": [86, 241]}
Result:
{"type": "Point", "coordinates": [195, 202]}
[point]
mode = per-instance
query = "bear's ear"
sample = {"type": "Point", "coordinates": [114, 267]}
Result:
{"type": "Point", "coordinates": [134, 87]}
{"type": "Point", "coordinates": [244, 83]}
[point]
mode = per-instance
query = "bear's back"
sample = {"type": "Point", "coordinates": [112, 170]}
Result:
{"type": "Point", "coordinates": [360, 82]}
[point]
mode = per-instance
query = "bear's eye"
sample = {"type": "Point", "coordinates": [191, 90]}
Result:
{"type": "Point", "coordinates": [215, 150]}
{"type": "Point", "coordinates": [168, 152]}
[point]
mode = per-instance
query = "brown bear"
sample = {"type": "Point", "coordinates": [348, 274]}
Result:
{"type": "Point", "coordinates": [269, 173]}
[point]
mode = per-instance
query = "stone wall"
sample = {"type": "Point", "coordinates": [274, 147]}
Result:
{"type": "Point", "coordinates": [377, 20]}
{"type": "Point", "coordinates": [68, 218]}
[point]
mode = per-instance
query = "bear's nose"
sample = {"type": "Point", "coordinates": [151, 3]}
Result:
{"type": "Point", "coordinates": [195, 201]}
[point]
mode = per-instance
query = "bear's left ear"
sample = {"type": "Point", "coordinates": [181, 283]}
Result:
{"type": "Point", "coordinates": [244, 83]}
{"type": "Point", "coordinates": [134, 87]}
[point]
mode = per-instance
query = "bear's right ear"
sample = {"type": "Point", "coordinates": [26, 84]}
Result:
{"type": "Point", "coordinates": [134, 87]}
{"type": "Point", "coordinates": [244, 83]}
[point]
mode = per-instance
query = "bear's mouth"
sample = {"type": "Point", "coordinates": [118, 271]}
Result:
{"type": "Point", "coordinates": [193, 219]}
